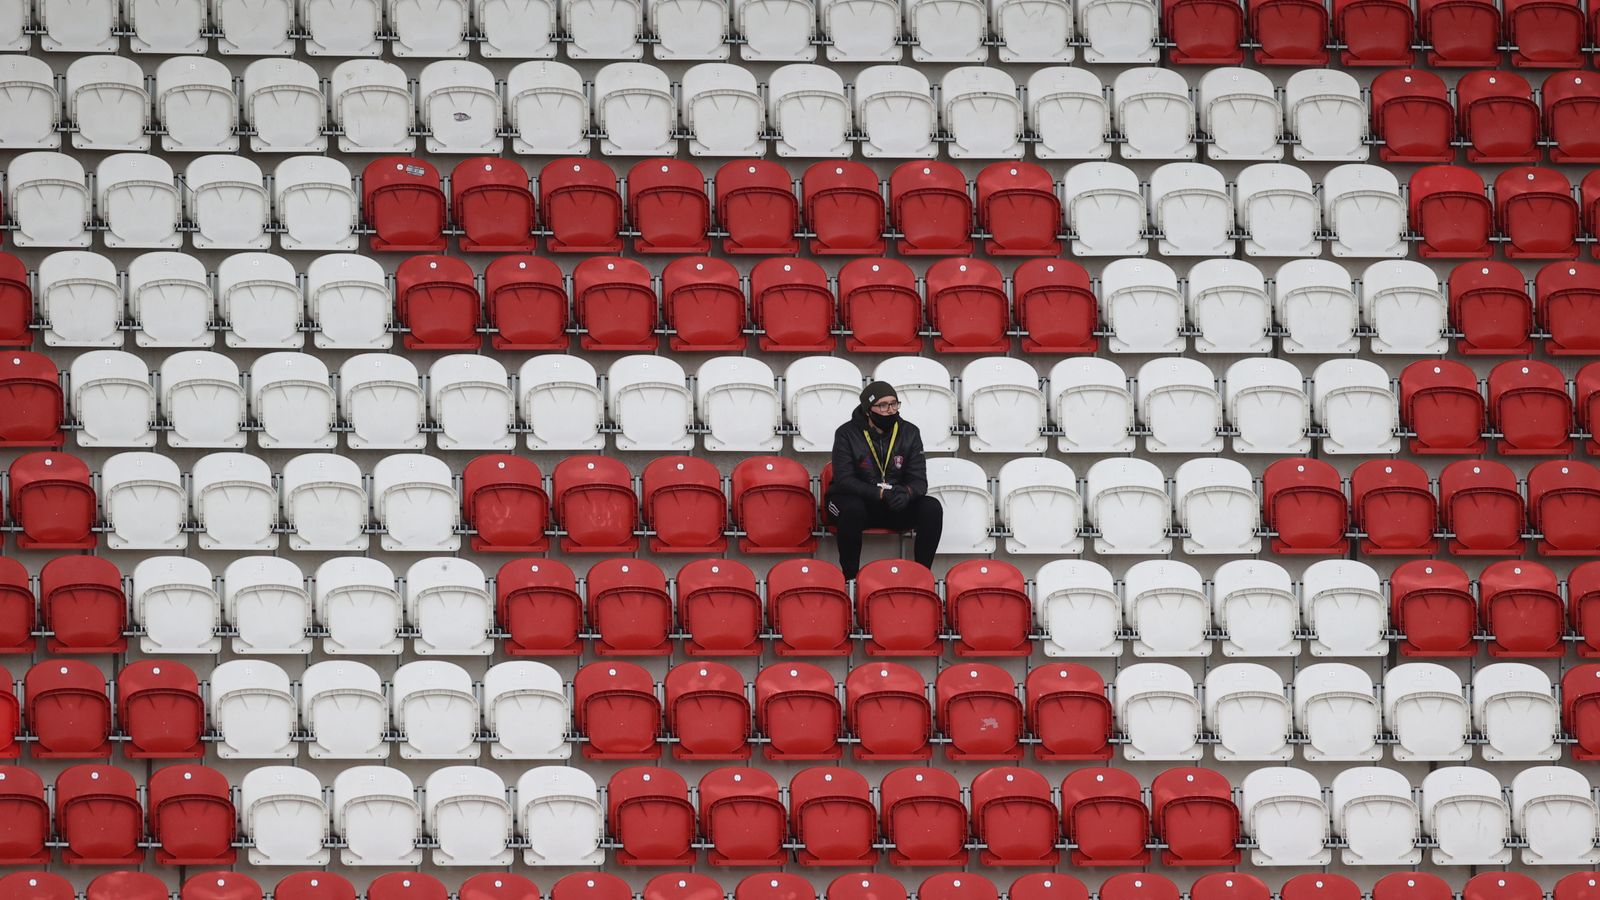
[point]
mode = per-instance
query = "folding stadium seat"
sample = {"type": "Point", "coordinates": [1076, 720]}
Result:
{"type": "Point", "coordinates": [1266, 403]}
{"type": "Point", "coordinates": [81, 602]}
{"type": "Point", "coordinates": [195, 105]}
{"type": "Point", "coordinates": [865, 886]}
{"type": "Point", "coordinates": [1039, 506]}
{"type": "Point", "coordinates": [324, 503]}
{"type": "Point", "coordinates": [1588, 394]}
{"type": "Point", "coordinates": [459, 105]}
{"type": "Point", "coordinates": [894, 108]}
{"type": "Point", "coordinates": [1015, 817]}
{"type": "Point", "coordinates": [525, 302]}
{"type": "Point", "coordinates": [1204, 32]}
{"type": "Point", "coordinates": [1393, 506]}
{"type": "Point", "coordinates": [923, 817]}
{"type": "Point", "coordinates": [472, 403]}
{"type": "Point", "coordinates": [1304, 503]}
{"type": "Point", "coordinates": [68, 711]}
{"type": "Point", "coordinates": [1019, 210]}
{"type": "Point", "coordinates": [17, 623]}
{"type": "Point", "coordinates": [703, 305]}
{"type": "Point", "coordinates": [36, 886]}
{"type": "Point", "coordinates": [1426, 709]}
{"type": "Point", "coordinates": [1068, 711]}
{"type": "Point", "coordinates": [1254, 604]}
{"type": "Point", "coordinates": [1565, 293]}
{"type": "Point", "coordinates": [48, 197]}
{"type": "Point", "coordinates": [630, 608]}
{"type": "Point", "coordinates": [259, 298]}
{"type": "Point", "coordinates": [1480, 505]}
{"type": "Point", "coordinates": [31, 387]}
{"type": "Point", "coordinates": [1567, 104]}
{"type": "Point", "coordinates": [407, 886]}
{"type": "Point", "coordinates": [1440, 402]}
{"type": "Point", "coordinates": [285, 818]}
{"type": "Point", "coordinates": [1336, 708]}
{"type": "Point", "coordinates": [1217, 506]}
{"type": "Point", "coordinates": [898, 605]}
{"type": "Point", "coordinates": [1402, 304]}
{"type": "Point", "coordinates": [316, 204]}
{"type": "Point", "coordinates": [435, 710]}
{"type": "Point", "coordinates": [1034, 32]}
{"type": "Point", "coordinates": [879, 307]}
{"type": "Point", "coordinates": [819, 392]}
{"type": "Point", "coordinates": [1575, 885]}
{"type": "Point", "coordinates": [1127, 502]}
{"type": "Point", "coordinates": [1002, 402]}
{"type": "Point", "coordinates": [691, 29]}
{"type": "Point", "coordinates": [357, 603]}
{"type": "Point", "coordinates": [1164, 602]}
{"type": "Point", "coordinates": [292, 398]}
{"type": "Point", "coordinates": [668, 205]}
{"type": "Point", "coordinates": [1279, 209]}
{"type": "Point", "coordinates": [1192, 811]}
{"type": "Point", "coordinates": [722, 111]}
{"type": "Point", "coordinates": [1063, 105]}
{"type": "Point", "coordinates": [174, 599]}
{"type": "Point", "coordinates": [559, 812]}
{"type": "Point", "coordinates": [719, 608]}
{"type": "Point", "coordinates": [1290, 32]}
{"type": "Point", "coordinates": [1412, 116]}
{"type": "Point", "coordinates": [1283, 811]}
{"type": "Point", "coordinates": [498, 886]}
{"type": "Point", "coordinates": [227, 200]}
{"type": "Point", "coordinates": [52, 501]}
{"type": "Point", "coordinates": [1550, 806]}
{"type": "Point", "coordinates": [634, 108]}
{"type": "Point", "coordinates": [1580, 688]}
{"type": "Point", "coordinates": [160, 710]}
{"type": "Point", "coordinates": [1140, 301]}
{"type": "Point", "coordinates": [595, 505]}
{"type": "Point", "coordinates": [1155, 114]}
{"type": "Point", "coordinates": [1432, 604]}
{"type": "Point", "coordinates": [1158, 712]}
{"type": "Point", "coordinates": [527, 710]}
{"type": "Point", "coordinates": [503, 501]}
{"type": "Point", "coordinates": [614, 304]}
{"type": "Point", "coordinates": [1361, 206]}
{"type": "Point", "coordinates": [650, 402]}
{"type": "Point", "coordinates": [265, 600]}
{"type": "Point", "coordinates": [651, 818]}
{"type": "Point", "coordinates": [1315, 303]}
{"type": "Point", "coordinates": [137, 197]}
{"type": "Point", "coordinates": [253, 711]}
{"type": "Point", "coordinates": [1582, 592]}
{"type": "Point", "coordinates": [1516, 710]}
{"type": "Point", "coordinates": [493, 207]}
{"type": "Point", "coordinates": [375, 811]}
{"type": "Point", "coordinates": [797, 709]}
{"type": "Point", "coordinates": [1449, 209]}
{"type": "Point", "coordinates": [169, 300]}
{"type": "Point", "coordinates": [1078, 608]}
{"type": "Point", "coordinates": [926, 397]}
{"type": "Point", "coordinates": [832, 818]}
{"type": "Point", "coordinates": [707, 711]}
{"type": "Point", "coordinates": [809, 608]}
{"type": "Point", "coordinates": [1354, 403]}
{"type": "Point", "coordinates": [1497, 117]}
{"type": "Point", "coordinates": [283, 102]}
{"type": "Point", "coordinates": [548, 111]}
{"type": "Point", "coordinates": [342, 703]}
{"type": "Point", "coordinates": [1561, 497]}
{"type": "Point", "coordinates": [107, 100]}
{"type": "Point", "coordinates": [756, 205]}
{"type": "Point", "coordinates": [1529, 406]}
{"type": "Point", "coordinates": [773, 506]}
{"type": "Point", "coordinates": [742, 818]}
{"type": "Point", "coordinates": [468, 816]}
{"type": "Point", "coordinates": [603, 31]}
{"type": "Point", "coordinates": [33, 109]}
{"type": "Point", "coordinates": [1464, 34]}
{"type": "Point", "coordinates": [947, 32]}
{"type": "Point", "coordinates": [342, 31]}
{"type": "Point", "coordinates": [1374, 32]}
{"type": "Point", "coordinates": [929, 205]}
{"type": "Point", "coordinates": [1092, 405]}
{"type": "Point", "coordinates": [1462, 808]}
{"type": "Point", "coordinates": [403, 203]}
{"type": "Point", "coordinates": [1104, 817]}
{"type": "Point", "coordinates": [1120, 31]}
{"type": "Point", "coordinates": [978, 106]}
{"type": "Point", "coordinates": [414, 502]}
{"type": "Point", "coordinates": [98, 816]}
{"type": "Point", "coordinates": [962, 487]}
{"type": "Point", "coordinates": [808, 110]}
{"type": "Point", "coordinates": [145, 502]}
{"type": "Point", "coordinates": [437, 303]}
{"type": "Point", "coordinates": [372, 105]}
{"type": "Point", "coordinates": [888, 711]}
{"type": "Point", "coordinates": [561, 403]}
{"type": "Point", "coordinates": [16, 303]}
{"type": "Point", "coordinates": [989, 608]}
{"type": "Point", "coordinates": [1537, 213]}
{"type": "Point", "coordinates": [1373, 811]}
{"type": "Point", "coordinates": [1190, 207]}
{"type": "Point", "coordinates": [979, 713]}
{"type": "Point", "coordinates": [844, 209]}
{"type": "Point", "coordinates": [1179, 403]}
{"type": "Point", "coordinates": [1234, 886]}
{"type": "Point", "coordinates": [449, 607]}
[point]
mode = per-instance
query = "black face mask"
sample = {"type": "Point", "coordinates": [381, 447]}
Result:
{"type": "Point", "coordinates": [883, 422]}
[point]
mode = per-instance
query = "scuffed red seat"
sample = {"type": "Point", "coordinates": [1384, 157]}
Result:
{"type": "Point", "coordinates": [1203, 32]}
{"type": "Point", "coordinates": [967, 306]}
{"type": "Point", "coordinates": [1019, 209]}
{"type": "Point", "coordinates": [773, 507]}
{"type": "Point", "coordinates": [887, 708]}
{"type": "Point", "coordinates": [1104, 817]}
{"type": "Point", "coordinates": [1570, 102]}
{"type": "Point", "coordinates": [53, 502]}
{"type": "Point", "coordinates": [36, 886]}
{"type": "Point", "coordinates": [24, 840]}
{"type": "Point", "coordinates": [1047, 886]}
{"type": "Point", "coordinates": [1568, 303]}
{"type": "Point", "coordinates": [1548, 34]}
{"type": "Point", "coordinates": [865, 886]}
{"type": "Point", "coordinates": [492, 205]}
{"type": "Point", "coordinates": [1392, 504]}
{"type": "Point", "coordinates": [1498, 118]}
{"type": "Point", "coordinates": [614, 303]}
{"type": "Point", "coordinates": [406, 886]}
{"type": "Point", "coordinates": [436, 300]}
{"type": "Point", "coordinates": [16, 609]}
{"type": "Point", "coordinates": [1449, 210]}
{"type": "Point", "coordinates": [1440, 402]}
{"type": "Point", "coordinates": [591, 886]}
{"type": "Point", "coordinates": [719, 608]}
{"type": "Point", "coordinates": [504, 503]}
{"type": "Point", "coordinates": [1490, 306]}
{"type": "Point", "coordinates": [160, 710]}
{"type": "Point", "coordinates": [808, 608]}
{"type": "Point", "coordinates": [879, 307]}
{"type": "Point", "coordinates": [844, 209]}
{"type": "Point", "coordinates": [1374, 32]}
{"type": "Point", "coordinates": [979, 712]}
{"type": "Point", "coordinates": [595, 505]}
{"type": "Point", "coordinates": [1289, 32]}
{"type": "Point", "coordinates": [797, 709]}
{"type": "Point", "coordinates": [1430, 601]}
{"type": "Point", "coordinates": [1460, 32]}
{"type": "Point", "coordinates": [403, 204]}
{"type": "Point", "coordinates": [1411, 886]}
{"type": "Point", "coordinates": [650, 817]}
{"type": "Point", "coordinates": [707, 711]}
{"type": "Point", "coordinates": [668, 207]}
{"type": "Point", "coordinates": [1564, 507]}
{"type": "Point", "coordinates": [1580, 709]}
{"type": "Point", "coordinates": [1537, 214]}
{"type": "Point", "coordinates": [1412, 115]}
{"type": "Point", "coordinates": [1530, 407]}
{"type": "Point", "coordinates": [1479, 503]}
{"type": "Point", "coordinates": [99, 817]}
{"type": "Point", "coordinates": [496, 886]}
{"type": "Point", "coordinates": [1583, 607]}
{"type": "Point", "coordinates": [615, 707]}
{"type": "Point", "coordinates": [16, 303]}
{"type": "Point", "coordinates": [757, 208]}
{"type": "Point", "coordinates": [1520, 603]}
{"type": "Point", "coordinates": [82, 605]}
{"type": "Point", "coordinates": [68, 709]}
{"type": "Point", "coordinates": [1304, 503]}
{"type": "Point", "coordinates": [832, 817]}
{"type": "Point", "coordinates": [742, 818]}
{"type": "Point", "coordinates": [1311, 886]}
{"type": "Point", "coordinates": [30, 395]}
{"type": "Point", "coordinates": [703, 305]}
{"type": "Point", "coordinates": [537, 603]}
{"type": "Point", "coordinates": [1015, 818]}
{"type": "Point", "coordinates": [1587, 389]}
{"type": "Point", "coordinates": [792, 306]}
{"type": "Point", "coordinates": [989, 608]}
{"type": "Point", "coordinates": [683, 504]}
{"type": "Point", "coordinates": [899, 606]}
{"type": "Point", "coordinates": [930, 208]}
{"type": "Point", "coordinates": [629, 607]}
{"type": "Point", "coordinates": [192, 817]}
{"type": "Point", "coordinates": [1138, 886]}
{"type": "Point", "coordinates": [1069, 713]}
{"type": "Point", "coordinates": [1055, 307]}
{"type": "Point", "coordinates": [774, 886]}
{"type": "Point", "coordinates": [923, 817]}
{"type": "Point", "coordinates": [1192, 811]}
{"type": "Point", "coordinates": [525, 301]}
{"type": "Point", "coordinates": [582, 208]}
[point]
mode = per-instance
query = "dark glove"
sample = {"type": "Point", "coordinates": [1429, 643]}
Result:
{"type": "Point", "coordinates": [898, 498]}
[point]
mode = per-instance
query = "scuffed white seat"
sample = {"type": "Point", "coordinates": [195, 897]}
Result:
{"type": "Point", "coordinates": [253, 27]}
{"type": "Point", "coordinates": [236, 508]}
{"type": "Point", "coordinates": [1068, 111]}
{"type": "Point", "coordinates": [1515, 709]}
{"type": "Point", "coordinates": [1355, 404]}
{"type": "Point", "coordinates": [203, 400]}
{"type": "Point", "coordinates": [137, 197]}
{"type": "Point", "coordinates": [1228, 304]}
{"type": "Point", "coordinates": [1158, 710]}
{"type": "Point", "coordinates": [1153, 111]}
{"type": "Point", "coordinates": [375, 811]}
{"type": "Point", "coordinates": [284, 107]}
{"type": "Point", "coordinates": [1337, 710]}
{"type": "Point", "coordinates": [80, 300]}
{"type": "Point", "coordinates": [108, 102]}
{"type": "Point", "coordinates": [264, 598]}
{"type": "Point", "coordinates": [336, 28]}
{"type": "Point", "coordinates": [689, 29]}
{"type": "Point", "coordinates": [1040, 506]}
{"type": "Point", "coordinates": [324, 504]}
{"type": "Point", "coordinates": [259, 299]}
{"type": "Point", "coordinates": [170, 301]}
{"type": "Point", "coordinates": [472, 403]}
{"type": "Point", "coordinates": [30, 107]}
{"type": "Point", "coordinates": [516, 29]}
{"type": "Point", "coordinates": [429, 28]}
{"type": "Point", "coordinates": [1189, 205]}
{"type": "Point", "coordinates": [434, 707]}
{"type": "Point", "coordinates": [1267, 405]}
{"type": "Point", "coordinates": [253, 710]}
{"type": "Point", "coordinates": [1164, 601]}
{"type": "Point", "coordinates": [561, 403]}
{"type": "Point", "coordinates": [1248, 711]}
{"type": "Point", "coordinates": [293, 401]}
{"type": "Point", "coordinates": [1278, 208]}
{"type": "Point", "coordinates": [1034, 31]}
{"type": "Point", "coordinates": [723, 111]}
{"type": "Point", "coordinates": [48, 197]}
{"type": "Point", "coordinates": [372, 107]}
{"type": "Point", "coordinates": [448, 603]}
{"type": "Point", "coordinates": [1180, 404]}
{"type": "Point", "coordinates": [1091, 403]}
{"type": "Point", "coordinates": [738, 402]}
{"type": "Point", "coordinates": [284, 817]}
{"type": "Point", "coordinates": [633, 106]}
{"type": "Point", "coordinates": [1075, 602]}
{"type": "Point", "coordinates": [1316, 305]}
{"type": "Point", "coordinates": [861, 30]}
{"type": "Point", "coordinates": [460, 106]}
{"type": "Point", "coordinates": [175, 602]}
{"type": "Point", "coordinates": [195, 105]}
{"type": "Point", "coordinates": [316, 204]}
{"type": "Point", "coordinates": [227, 201]}
{"type": "Point", "coordinates": [112, 399]}
{"type": "Point", "coordinates": [1217, 504]}
{"type": "Point", "coordinates": [1361, 206]}
{"type": "Point", "coordinates": [1343, 604]}
{"type": "Point", "coordinates": [1403, 305]}
{"type": "Point", "coordinates": [343, 708]}
{"type": "Point", "coordinates": [1105, 210]}
{"type": "Point", "coordinates": [1324, 111]}
{"type": "Point", "coordinates": [1127, 501]}
{"type": "Point", "coordinates": [776, 30]}
{"type": "Point", "coordinates": [1003, 405]}
{"type": "Point", "coordinates": [650, 403]}
{"type": "Point", "coordinates": [1426, 709]}
{"type": "Point", "coordinates": [145, 503]}
{"type": "Point", "coordinates": [1140, 301]}
{"type": "Point", "coordinates": [961, 486]}
{"type": "Point", "coordinates": [469, 816]}
{"type": "Point", "coordinates": [980, 110]}
{"type": "Point", "coordinates": [1553, 809]}
{"type": "Point", "coordinates": [1239, 111]}
{"type": "Point", "coordinates": [1253, 604]}
{"type": "Point", "coordinates": [559, 811]}
{"type": "Point", "coordinates": [926, 397]}
{"type": "Point", "coordinates": [1283, 811]}
{"type": "Point", "coordinates": [1462, 808]}
{"type": "Point", "coordinates": [604, 29]}
{"type": "Point", "coordinates": [807, 107]}
{"type": "Point", "coordinates": [414, 500]}
{"type": "Point", "coordinates": [359, 606]}
{"type": "Point", "coordinates": [1374, 813]}
{"type": "Point", "coordinates": [893, 105]}
{"type": "Point", "coordinates": [819, 392]}
{"type": "Point", "coordinates": [347, 296]}
{"type": "Point", "coordinates": [547, 109]}
{"type": "Point", "coordinates": [948, 30]}
{"type": "Point", "coordinates": [380, 398]}
{"type": "Point", "coordinates": [525, 706]}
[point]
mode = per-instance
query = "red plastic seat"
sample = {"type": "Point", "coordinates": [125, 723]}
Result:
{"type": "Point", "coordinates": [1055, 307]}
{"type": "Point", "coordinates": [1568, 299]}
{"type": "Point", "coordinates": [1019, 209]}
{"type": "Point", "coordinates": [1583, 607]}
{"type": "Point", "coordinates": [1138, 886]}
{"type": "Point", "coordinates": [1564, 507]}
{"type": "Point", "coordinates": [525, 301]}
{"type": "Point", "coordinates": [320, 886]}
{"type": "Point", "coordinates": [1497, 117]}
{"type": "Point", "coordinates": [406, 886]}
{"type": "Point", "coordinates": [865, 886]}
{"type": "Point", "coordinates": [774, 886]}
{"type": "Point", "coordinates": [629, 607]}
{"type": "Point", "coordinates": [1204, 32]}
{"type": "Point", "coordinates": [53, 501]}
{"type": "Point", "coordinates": [99, 817]}
{"type": "Point", "coordinates": [668, 207]}
{"type": "Point", "coordinates": [10, 747]}
{"type": "Point", "coordinates": [1069, 713]}
{"type": "Point", "coordinates": [1016, 819]}
{"type": "Point", "coordinates": [595, 505]}
{"type": "Point", "coordinates": [1520, 601]}
{"type": "Point", "coordinates": [703, 305]}
{"type": "Point", "coordinates": [1411, 113]}
{"type": "Point", "coordinates": [1238, 886]}
{"type": "Point", "coordinates": [1570, 102]}
{"type": "Point", "coordinates": [1580, 709]}
{"type": "Point", "coordinates": [792, 306]}
{"type": "Point", "coordinates": [887, 708]}
{"type": "Point", "coordinates": [1589, 194]}
{"type": "Point", "coordinates": [1449, 210]}
{"type": "Point", "coordinates": [1193, 812]}
{"type": "Point", "coordinates": [684, 505]}
{"type": "Point", "coordinates": [16, 303]}
{"type": "Point", "coordinates": [126, 885]}
{"type": "Point", "coordinates": [496, 886]}
{"type": "Point", "coordinates": [1290, 32]}
{"type": "Point", "coordinates": [1460, 32]}
{"type": "Point", "coordinates": [30, 394]}
{"type": "Point", "coordinates": [809, 608]}
{"type": "Point", "coordinates": [719, 608]}
{"type": "Point", "coordinates": [220, 886]}
{"type": "Point", "coordinates": [36, 886]}
{"type": "Point", "coordinates": [979, 712]}
{"type": "Point", "coordinates": [1537, 213]}
{"type": "Point", "coordinates": [1304, 503]}
{"type": "Point", "coordinates": [403, 204]}
{"type": "Point", "coordinates": [436, 299]}
{"type": "Point", "coordinates": [757, 207]}
{"type": "Point", "coordinates": [797, 708]}
{"type": "Point", "coordinates": [68, 709]}
{"type": "Point", "coordinates": [1047, 886]}
{"type": "Point", "coordinates": [1411, 886]}
{"type": "Point", "coordinates": [923, 817]}
{"type": "Point", "coordinates": [931, 209]}
{"type": "Point", "coordinates": [192, 816]}
{"type": "Point", "coordinates": [16, 609]}
{"type": "Point", "coordinates": [1317, 886]}
{"type": "Point", "coordinates": [1430, 600]}
{"type": "Point", "coordinates": [492, 205]}
{"type": "Point", "coordinates": [537, 603]}
{"type": "Point", "coordinates": [773, 506]}
{"type": "Point", "coordinates": [957, 886]}
{"type": "Point", "coordinates": [708, 712]}
{"type": "Point", "coordinates": [1479, 503]}
{"type": "Point", "coordinates": [650, 817]}
{"type": "Point", "coordinates": [1439, 400]}
{"type": "Point", "coordinates": [1490, 306]}
{"type": "Point", "coordinates": [1392, 503]}
{"type": "Point", "coordinates": [1104, 817]}
{"type": "Point", "coordinates": [615, 707]}
{"type": "Point", "coordinates": [844, 209]}
{"type": "Point", "coordinates": [879, 306]}
{"type": "Point", "coordinates": [1501, 886]}
{"type": "Point", "coordinates": [832, 817]}
{"type": "Point", "coordinates": [1374, 32]}
{"type": "Point", "coordinates": [582, 208]}
{"type": "Point", "coordinates": [682, 886]}
{"type": "Point", "coordinates": [614, 302]}
{"type": "Point", "coordinates": [742, 818]}
{"type": "Point", "coordinates": [1577, 886]}
{"type": "Point", "coordinates": [1587, 388]}
{"type": "Point", "coordinates": [1548, 34]}
{"type": "Point", "coordinates": [897, 603]}
{"type": "Point", "coordinates": [161, 711]}
{"type": "Point", "coordinates": [82, 605]}
{"type": "Point", "coordinates": [504, 503]}
{"type": "Point", "coordinates": [25, 834]}
{"type": "Point", "coordinates": [591, 886]}
{"type": "Point", "coordinates": [967, 306]}
{"type": "Point", "coordinates": [1530, 407]}
{"type": "Point", "coordinates": [989, 608]}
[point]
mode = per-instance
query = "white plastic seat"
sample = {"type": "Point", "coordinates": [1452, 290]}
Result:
{"type": "Point", "coordinates": [861, 30]}
{"type": "Point", "coordinates": [342, 29]}
{"type": "Point", "coordinates": [1337, 710]}
{"type": "Point", "coordinates": [434, 707]}
{"type": "Point", "coordinates": [1402, 303]}
{"type": "Point", "coordinates": [1515, 709]}
{"type": "Point", "coordinates": [284, 107]}
{"type": "Point", "coordinates": [1343, 604]}
{"type": "Point", "coordinates": [1248, 711]}
{"type": "Point", "coordinates": [650, 403]}
{"type": "Point", "coordinates": [1105, 210]}
{"type": "Point", "coordinates": [1426, 709]}
{"type": "Point", "coordinates": [980, 108]}
{"type": "Point", "coordinates": [776, 30]}
{"type": "Point", "coordinates": [1040, 506]}
{"type": "Point", "coordinates": [689, 29]}
{"type": "Point", "coordinates": [737, 397]}
{"type": "Point", "coordinates": [1217, 504]}
{"type": "Point", "coordinates": [525, 706]}
{"type": "Point", "coordinates": [961, 486]}
{"type": "Point", "coordinates": [1003, 405]}
{"type": "Point", "coordinates": [48, 197]}
{"type": "Point", "coordinates": [80, 300]}
{"type": "Point", "coordinates": [372, 106]}
{"type": "Point", "coordinates": [414, 500]}
{"type": "Point", "coordinates": [1158, 711]}
{"type": "Point", "coordinates": [358, 604]}
{"type": "Point", "coordinates": [30, 107]}
{"type": "Point", "coordinates": [1253, 603]}
{"type": "Point", "coordinates": [253, 710]}
{"type": "Point", "coordinates": [108, 101]}
{"type": "Point", "coordinates": [1180, 404]}
{"type": "Point", "coordinates": [1266, 404]}
{"type": "Point", "coordinates": [145, 503]}
{"type": "Point", "coordinates": [604, 29]}
{"type": "Point", "coordinates": [948, 30]}
{"type": "Point", "coordinates": [173, 599]}
{"type": "Point", "coordinates": [1315, 304]}
{"type": "Point", "coordinates": [1140, 301]}
{"type": "Point", "coordinates": [15, 21]}
{"type": "Point", "coordinates": [316, 204]}
{"type": "Point", "coordinates": [1119, 31]}
{"type": "Point", "coordinates": [170, 301]}
{"type": "Point", "coordinates": [1068, 110]}
{"type": "Point", "coordinates": [1283, 811]}
{"type": "Point", "coordinates": [429, 28]}
{"type": "Point", "coordinates": [1075, 602]}
{"type": "Point", "coordinates": [228, 202]}
{"type": "Point", "coordinates": [559, 811]}
{"type": "Point", "coordinates": [1228, 304]}
{"type": "Point", "coordinates": [547, 109]}
{"type": "Point", "coordinates": [460, 106]}
{"type": "Point", "coordinates": [79, 26]}
{"type": "Point", "coordinates": [380, 397]}
{"type": "Point", "coordinates": [1278, 209]}
{"type": "Point", "coordinates": [1361, 205]}
{"type": "Point", "coordinates": [472, 403]}
{"type": "Point", "coordinates": [375, 811]}
{"type": "Point", "coordinates": [1034, 31]}
{"type": "Point", "coordinates": [1189, 205]}
{"type": "Point", "coordinates": [1091, 403]}
{"type": "Point", "coordinates": [807, 107]}
{"type": "Point", "coordinates": [253, 27]}
{"type": "Point", "coordinates": [1239, 111]}
{"type": "Point", "coordinates": [1127, 501]}
{"type": "Point", "coordinates": [633, 105]}
{"type": "Point", "coordinates": [1323, 109]}
{"type": "Point", "coordinates": [1462, 808]}
{"type": "Point", "coordinates": [259, 298]}
{"type": "Point", "coordinates": [516, 29]}
{"type": "Point", "coordinates": [1553, 809]}
{"type": "Point", "coordinates": [195, 105]}
{"type": "Point", "coordinates": [235, 503]}
{"type": "Point", "coordinates": [1165, 602]}
{"type": "Point", "coordinates": [203, 400]}
{"type": "Point", "coordinates": [561, 403]}
{"type": "Point", "coordinates": [926, 398]}
{"type": "Point", "coordinates": [448, 602]}
{"type": "Point", "coordinates": [112, 399]}
{"type": "Point", "coordinates": [324, 504]}
{"type": "Point", "coordinates": [284, 817]}
{"type": "Point", "coordinates": [264, 598]}
{"type": "Point", "coordinates": [137, 197]}
{"type": "Point", "coordinates": [1374, 813]}
{"type": "Point", "coordinates": [1153, 110]}
{"type": "Point", "coordinates": [722, 110]}
{"type": "Point", "coordinates": [347, 296]}
{"type": "Point", "coordinates": [819, 392]}
{"type": "Point", "coordinates": [1355, 404]}
{"type": "Point", "coordinates": [894, 104]}
{"type": "Point", "coordinates": [469, 816]}
{"type": "Point", "coordinates": [293, 401]}
{"type": "Point", "coordinates": [343, 708]}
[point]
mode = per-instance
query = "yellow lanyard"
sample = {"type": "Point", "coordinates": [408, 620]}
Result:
{"type": "Point", "coordinates": [888, 456]}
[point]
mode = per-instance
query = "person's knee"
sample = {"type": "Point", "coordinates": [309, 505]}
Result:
{"type": "Point", "coordinates": [929, 510]}
{"type": "Point", "coordinates": [848, 512]}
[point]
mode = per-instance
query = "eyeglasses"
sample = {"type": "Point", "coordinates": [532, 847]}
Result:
{"type": "Point", "coordinates": [887, 406]}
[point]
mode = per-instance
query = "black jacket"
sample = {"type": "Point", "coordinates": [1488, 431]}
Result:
{"type": "Point", "coordinates": [855, 473]}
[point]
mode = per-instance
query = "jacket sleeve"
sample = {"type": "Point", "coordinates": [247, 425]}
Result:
{"type": "Point", "coordinates": [916, 470]}
{"type": "Point", "coordinates": [846, 478]}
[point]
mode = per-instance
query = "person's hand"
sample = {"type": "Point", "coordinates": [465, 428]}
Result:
{"type": "Point", "coordinates": [898, 498]}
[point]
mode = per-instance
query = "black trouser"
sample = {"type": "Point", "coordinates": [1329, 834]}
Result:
{"type": "Point", "coordinates": [853, 515]}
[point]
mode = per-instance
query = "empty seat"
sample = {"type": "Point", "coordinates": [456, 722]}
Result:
{"type": "Point", "coordinates": [293, 401]}
{"type": "Point", "coordinates": [635, 110]}
{"type": "Point", "coordinates": [81, 601]}
{"type": "Point", "coordinates": [1448, 208]}
{"type": "Point", "coordinates": [235, 502]}
{"type": "Point", "coordinates": [737, 399]}
{"type": "Point", "coordinates": [1315, 303]}
{"type": "Point", "coordinates": [253, 711]}
{"type": "Point", "coordinates": [402, 201]}
{"type": "Point", "coordinates": [989, 609]}
{"type": "Point", "coordinates": [1103, 813]}
{"type": "Point", "coordinates": [703, 305]}
{"type": "Point", "coordinates": [1361, 206]}
{"type": "Point", "coordinates": [414, 501]}
{"type": "Point", "coordinates": [1014, 815]}
{"type": "Point", "coordinates": [595, 505]}
{"type": "Point", "coordinates": [259, 298]}
{"type": "Point", "coordinates": [1128, 502]}
{"type": "Point", "coordinates": [893, 104]}
{"type": "Point", "coordinates": [615, 706]}
{"type": "Point", "coordinates": [1159, 713]}
{"type": "Point", "coordinates": [1120, 31]}
{"type": "Point", "coordinates": [48, 196]}
{"type": "Point", "coordinates": [525, 304]}
{"type": "Point", "coordinates": [1155, 113]}
{"type": "Point", "coordinates": [1323, 108]}
{"type": "Point", "coordinates": [757, 206]}
{"type": "Point", "coordinates": [879, 306]}
{"type": "Point", "coordinates": [1374, 812]}
{"type": "Point", "coordinates": [342, 704]}
{"type": "Point", "coordinates": [436, 711]}
{"type": "Point", "coordinates": [722, 111]}
{"type": "Point", "coordinates": [1565, 293]}
{"type": "Point", "coordinates": [1254, 604]}
{"type": "Point", "coordinates": [947, 32]}
{"type": "Point", "coordinates": [1537, 213]}
{"type": "Point", "coordinates": [1217, 505]}
{"type": "Point", "coordinates": [808, 109]}
{"type": "Point", "coordinates": [1003, 405]}
{"type": "Point", "coordinates": [284, 816]}
{"type": "Point", "coordinates": [342, 31]}
{"type": "Point", "coordinates": [472, 403]}
{"type": "Point", "coordinates": [17, 624]}
{"type": "Point", "coordinates": [923, 817]}
{"type": "Point", "coordinates": [98, 816]}
{"type": "Point", "coordinates": [1479, 503]}
{"type": "Point", "coordinates": [1237, 106]}
{"type": "Point", "coordinates": [175, 600]}
{"type": "Point", "coordinates": [137, 197]}
{"type": "Point", "coordinates": [1561, 498]}
{"type": "Point", "coordinates": [1192, 810]}
{"type": "Point", "coordinates": [1402, 303]}
{"type": "Point", "coordinates": [547, 110]}
{"type": "Point", "coordinates": [1165, 604]}
{"type": "Point", "coordinates": [707, 711]}
{"type": "Point", "coordinates": [1464, 34]}
{"type": "Point", "coordinates": [844, 209]}
{"type": "Point", "coordinates": [266, 601]}
{"type": "Point", "coordinates": [52, 501]}
{"type": "Point", "coordinates": [1068, 711]}
{"type": "Point", "coordinates": [1431, 603]}
{"type": "Point", "coordinates": [1266, 402]}
{"type": "Point", "coordinates": [719, 608]}
{"type": "Point", "coordinates": [930, 207]}
{"type": "Point", "coordinates": [1392, 504]}
{"type": "Point", "coordinates": [1567, 104]}
{"type": "Point", "coordinates": [561, 403]}
{"type": "Point", "coordinates": [112, 400]}
{"type": "Point", "coordinates": [316, 204]}
{"type": "Point", "coordinates": [503, 501]}
{"type": "Point", "coordinates": [1180, 404]}
{"type": "Point", "coordinates": [69, 712]}
{"type": "Point", "coordinates": [460, 107]}
{"type": "Point", "coordinates": [492, 205]}
{"type": "Point", "coordinates": [1336, 707]}
{"type": "Point", "coordinates": [1069, 113]}
{"type": "Point", "coordinates": [170, 301]}
{"type": "Point", "coordinates": [1291, 32]}
{"type": "Point", "coordinates": [1092, 404]}
{"type": "Point", "coordinates": [1441, 404]}
{"type": "Point", "coordinates": [1462, 808]}
{"type": "Point", "coordinates": [630, 608]}
{"type": "Point", "coordinates": [819, 392]}
{"type": "Point", "coordinates": [1546, 802]}
{"type": "Point", "coordinates": [324, 503]}
{"type": "Point", "coordinates": [668, 205]}
{"type": "Point", "coordinates": [469, 816]}
{"type": "Point", "coordinates": [614, 304]}
{"type": "Point", "coordinates": [1078, 609]}
{"type": "Point", "coordinates": [1354, 403]}
{"type": "Point", "coordinates": [372, 104]}
{"type": "Point", "coordinates": [651, 817]}
{"type": "Point", "coordinates": [1498, 117]}
{"type": "Point", "coordinates": [33, 108]}
{"type": "Point", "coordinates": [1190, 207]}
{"type": "Point", "coordinates": [527, 708]}
{"type": "Point", "coordinates": [107, 99]}
{"type": "Point", "coordinates": [1277, 206]}
{"type": "Point", "coordinates": [1529, 406]}
{"type": "Point", "coordinates": [437, 304]}
{"type": "Point", "coordinates": [1426, 708]}
{"type": "Point", "coordinates": [978, 105]}
{"type": "Point", "coordinates": [16, 303]}
{"type": "Point", "coordinates": [1040, 506]}
{"type": "Point", "coordinates": [560, 813]}
{"type": "Point", "coordinates": [196, 106]}
{"type": "Point", "coordinates": [1142, 306]}
{"type": "Point", "coordinates": [962, 487]}
{"type": "Point", "coordinates": [228, 202]}
{"type": "Point", "coordinates": [145, 502]}
{"type": "Point", "coordinates": [1282, 808]}
{"type": "Point", "coordinates": [283, 102]}
{"type": "Point", "coordinates": [798, 710]}
{"type": "Point", "coordinates": [375, 810]}
{"type": "Point", "coordinates": [538, 605]}
{"type": "Point", "coordinates": [808, 607]}
{"type": "Point", "coordinates": [651, 404]}
{"type": "Point", "coordinates": [888, 711]}
{"type": "Point", "coordinates": [1304, 503]}
{"type": "Point", "coordinates": [448, 603]}
{"type": "Point", "coordinates": [1514, 707]}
